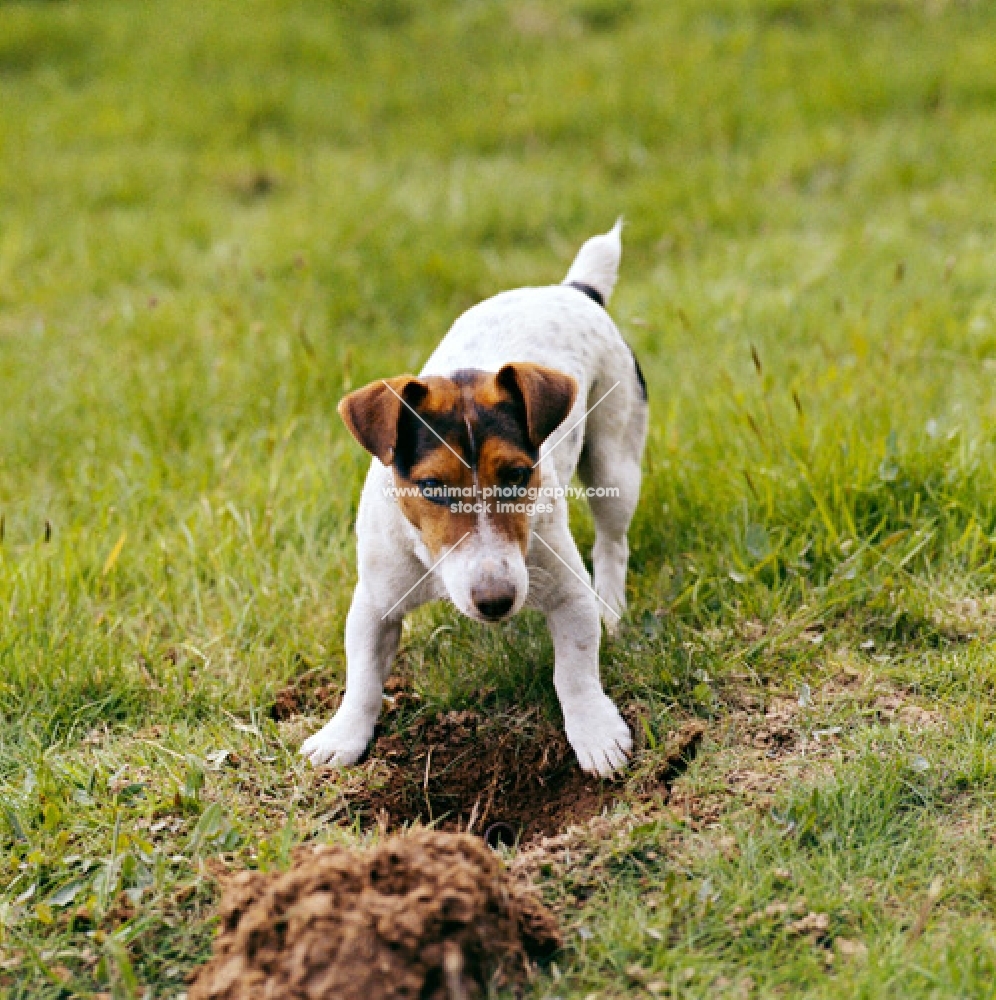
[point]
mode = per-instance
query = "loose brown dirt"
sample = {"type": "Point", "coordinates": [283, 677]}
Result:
{"type": "Point", "coordinates": [429, 915]}
{"type": "Point", "coordinates": [470, 771]}
{"type": "Point", "coordinates": [305, 693]}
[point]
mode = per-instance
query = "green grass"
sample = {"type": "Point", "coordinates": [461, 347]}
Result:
{"type": "Point", "coordinates": [215, 218]}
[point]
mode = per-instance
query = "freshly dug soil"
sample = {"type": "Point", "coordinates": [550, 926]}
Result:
{"type": "Point", "coordinates": [467, 771]}
{"type": "Point", "coordinates": [306, 693]}
{"type": "Point", "coordinates": [430, 915]}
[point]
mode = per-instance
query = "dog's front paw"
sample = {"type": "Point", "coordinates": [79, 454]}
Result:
{"type": "Point", "coordinates": [600, 737]}
{"type": "Point", "coordinates": [339, 743]}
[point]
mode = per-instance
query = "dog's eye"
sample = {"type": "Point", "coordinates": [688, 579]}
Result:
{"type": "Point", "coordinates": [518, 478]}
{"type": "Point", "coordinates": [434, 490]}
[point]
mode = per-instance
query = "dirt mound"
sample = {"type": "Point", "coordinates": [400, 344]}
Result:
{"type": "Point", "coordinates": [467, 771]}
{"type": "Point", "coordinates": [430, 915]}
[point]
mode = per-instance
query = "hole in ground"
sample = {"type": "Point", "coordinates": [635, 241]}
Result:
{"type": "Point", "coordinates": [502, 775]}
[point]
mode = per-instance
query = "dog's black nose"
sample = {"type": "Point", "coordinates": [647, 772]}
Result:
{"type": "Point", "coordinates": [493, 602]}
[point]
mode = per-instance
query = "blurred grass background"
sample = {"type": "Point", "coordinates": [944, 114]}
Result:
{"type": "Point", "coordinates": [216, 218]}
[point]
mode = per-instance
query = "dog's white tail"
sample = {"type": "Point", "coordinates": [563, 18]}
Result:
{"type": "Point", "coordinates": [597, 262]}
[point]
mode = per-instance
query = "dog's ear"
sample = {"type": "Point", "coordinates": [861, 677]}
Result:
{"type": "Point", "coordinates": [547, 395]}
{"type": "Point", "coordinates": [373, 412]}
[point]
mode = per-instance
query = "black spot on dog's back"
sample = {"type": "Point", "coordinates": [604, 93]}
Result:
{"type": "Point", "coordinates": [639, 373]}
{"type": "Point", "coordinates": [593, 293]}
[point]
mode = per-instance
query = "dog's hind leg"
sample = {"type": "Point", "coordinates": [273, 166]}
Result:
{"type": "Point", "coordinates": [610, 467]}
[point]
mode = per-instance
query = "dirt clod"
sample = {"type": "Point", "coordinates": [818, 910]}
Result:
{"type": "Point", "coordinates": [303, 696]}
{"type": "Point", "coordinates": [429, 915]}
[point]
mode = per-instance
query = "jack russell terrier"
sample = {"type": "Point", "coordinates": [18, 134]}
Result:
{"type": "Point", "coordinates": [466, 495]}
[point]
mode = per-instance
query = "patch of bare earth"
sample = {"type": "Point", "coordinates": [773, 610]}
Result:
{"type": "Point", "coordinates": [429, 915]}
{"type": "Point", "coordinates": [471, 771]}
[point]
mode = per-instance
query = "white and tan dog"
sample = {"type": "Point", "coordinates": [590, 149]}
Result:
{"type": "Point", "coordinates": [465, 498]}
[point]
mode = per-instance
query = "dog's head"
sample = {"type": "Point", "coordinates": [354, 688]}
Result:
{"type": "Point", "coordinates": [464, 449]}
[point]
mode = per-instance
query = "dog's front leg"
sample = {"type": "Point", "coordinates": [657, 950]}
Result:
{"type": "Point", "coordinates": [371, 643]}
{"type": "Point", "coordinates": [594, 727]}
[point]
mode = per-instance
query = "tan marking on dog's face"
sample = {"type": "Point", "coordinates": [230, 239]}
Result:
{"type": "Point", "coordinates": [440, 526]}
{"type": "Point", "coordinates": [503, 465]}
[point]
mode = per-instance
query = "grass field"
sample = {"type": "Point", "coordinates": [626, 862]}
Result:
{"type": "Point", "coordinates": [215, 218]}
